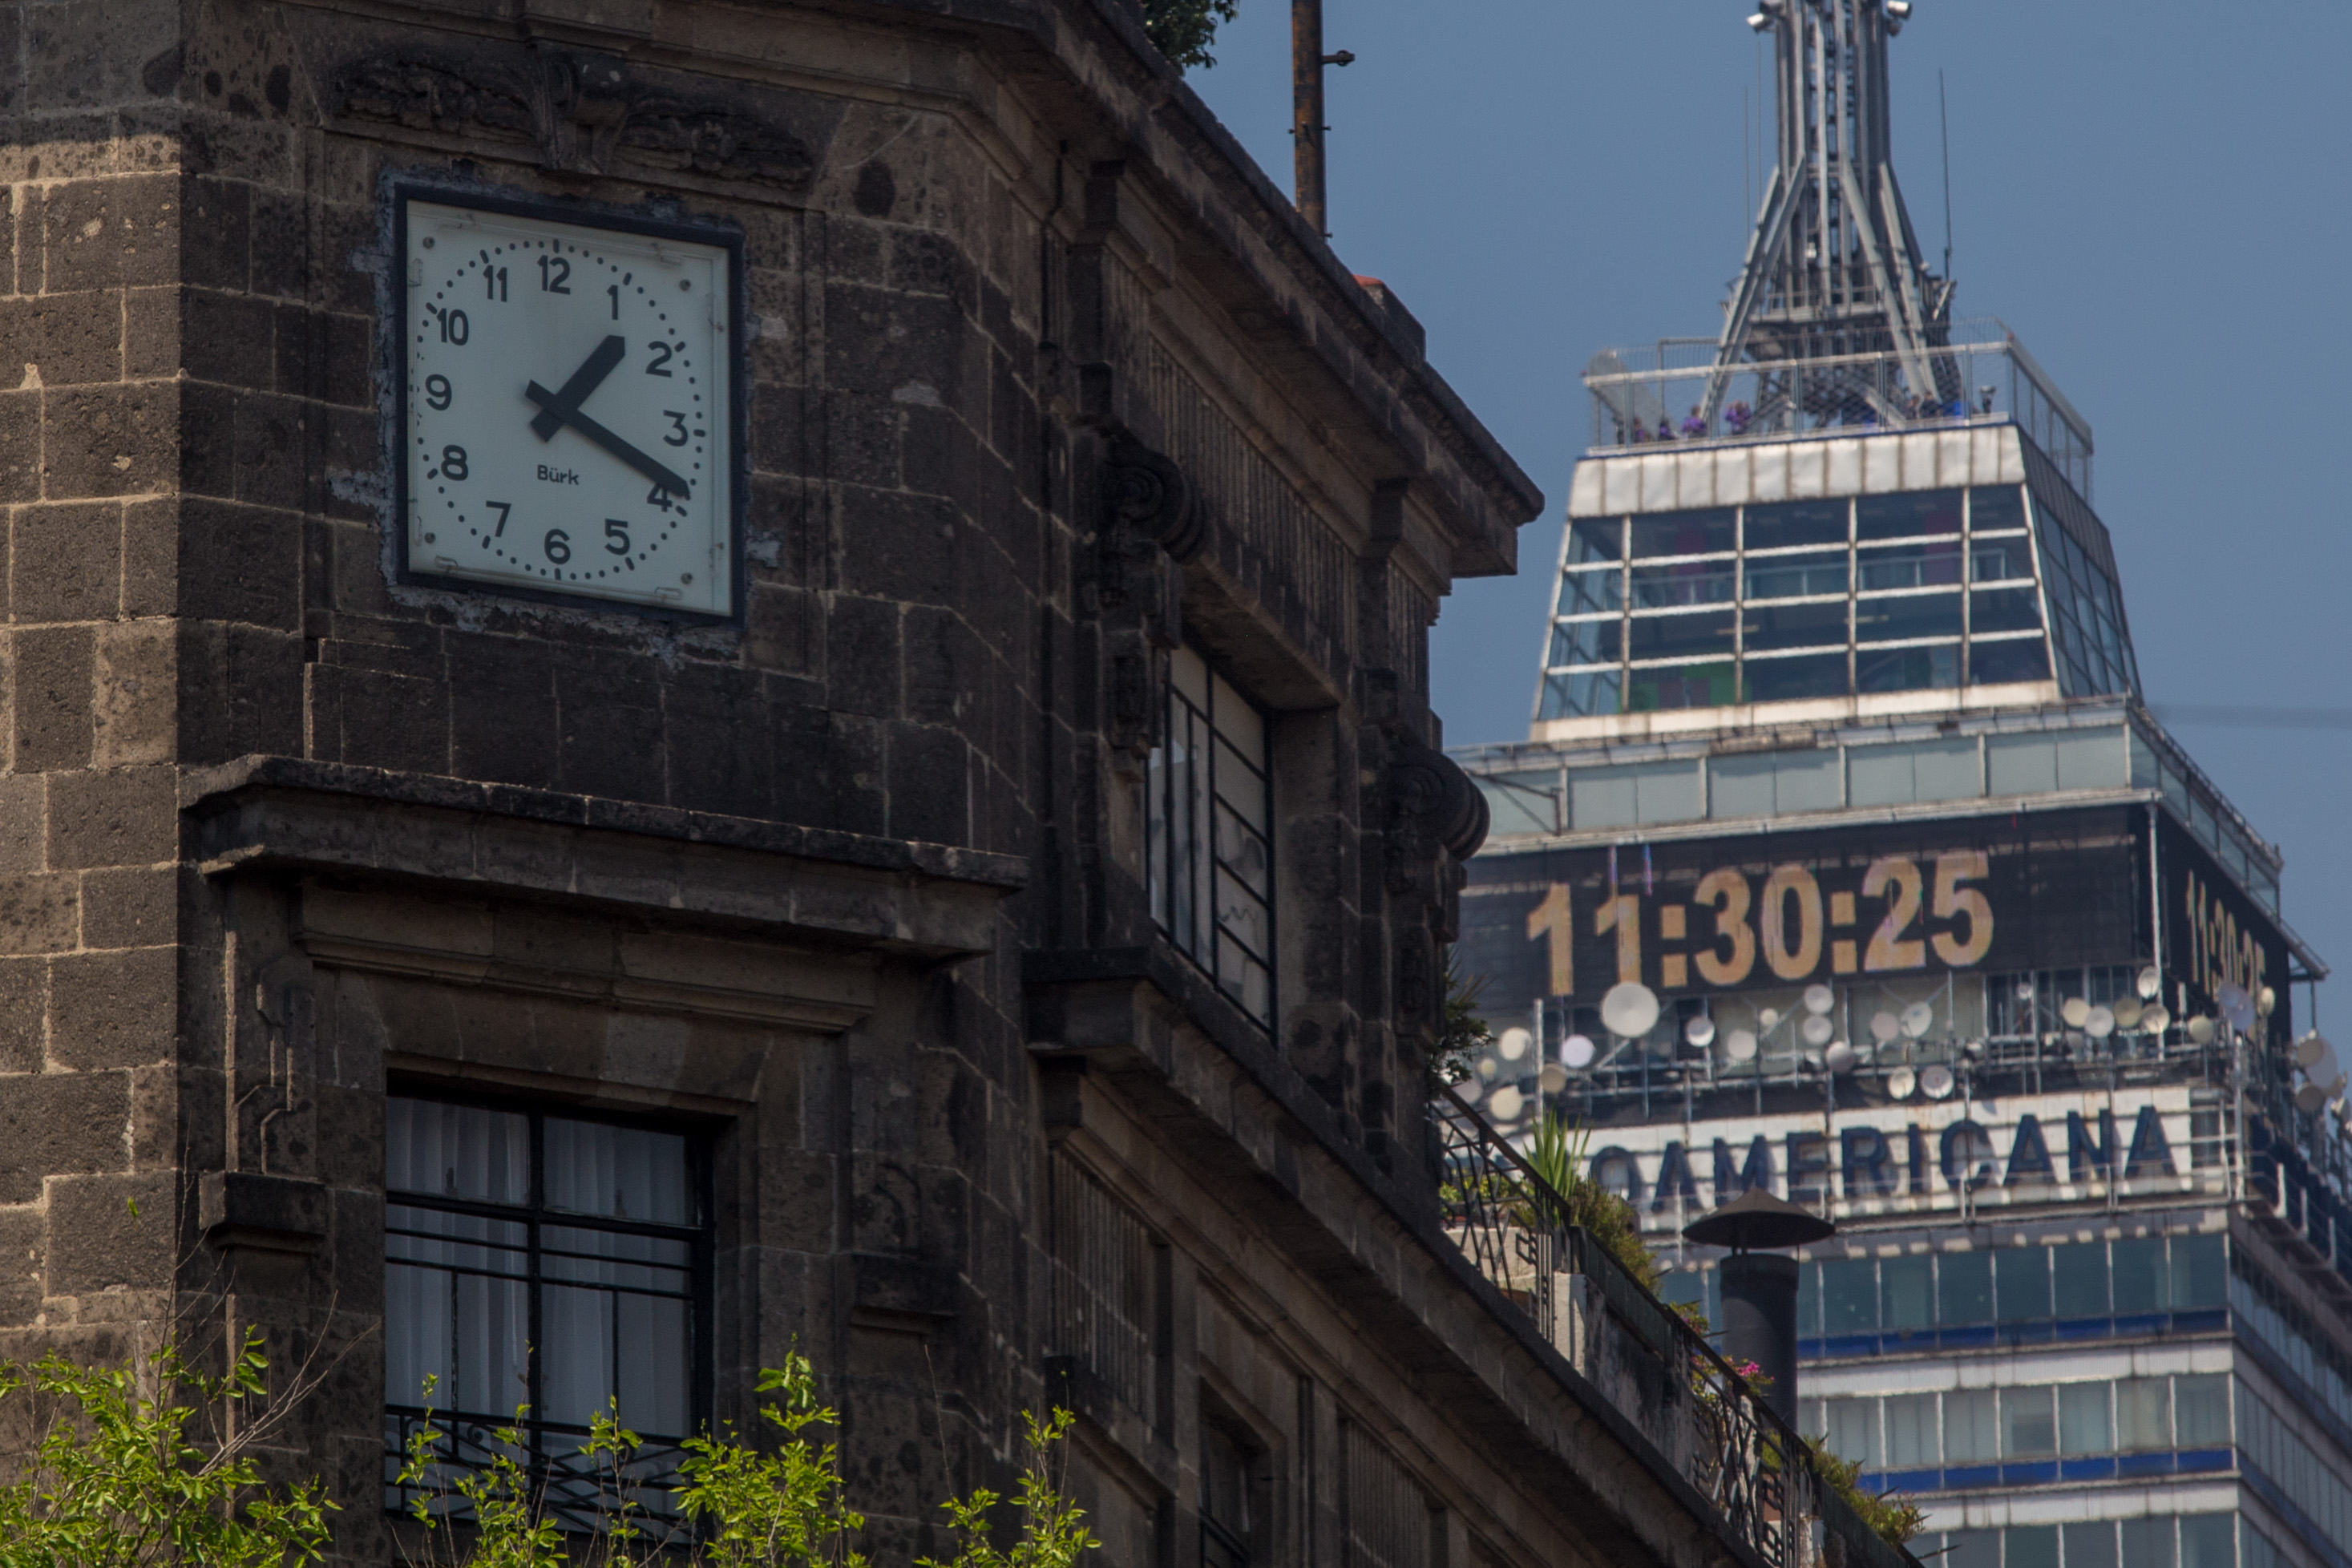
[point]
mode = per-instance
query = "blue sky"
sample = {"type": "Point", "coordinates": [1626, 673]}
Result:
{"type": "Point", "coordinates": [2154, 196]}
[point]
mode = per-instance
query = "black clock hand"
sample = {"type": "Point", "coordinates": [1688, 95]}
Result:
{"type": "Point", "coordinates": [575, 392]}
{"type": "Point", "coordinates": [553, 402]}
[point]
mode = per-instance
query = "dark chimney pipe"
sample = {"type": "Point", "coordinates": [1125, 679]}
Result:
{"type": "Point", "coordinates": [1307, 109]}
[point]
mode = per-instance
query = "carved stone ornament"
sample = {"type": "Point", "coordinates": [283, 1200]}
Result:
{"type": "Point", "coordinates": [581, 109]}
{"type": "Point", "coordinates": [1432, 805]}
{"type": "Point", "coordinates": [1147, 494]}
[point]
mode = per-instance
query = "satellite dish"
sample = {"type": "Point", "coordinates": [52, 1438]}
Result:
{"type": "Point", "coordinates": [1819, 999]}
{"type": "Point", "coordinates": [1739, 1045]}
{"type": "Point", "coordinates": [1811, 1060]}
{"type": "Point", "coordinates": [2150, 983]}
{"type": "Point", "coordinates": [2155, 1018]}
{"type": "Point", "coordinates": [2099, 1023]}
{"type": "Point", "coordinates": [2076, 1011]}
{"type": "Point", "coordinates": [2237, 1007]}
{"type": "Point", "coordinates": [1901, 1082]}
{"type": "Point", "coordinates": [1489, 1067]}
{"type": "Point", "coordinates": [1513, 1043]}
{"type": "Point", "coordinates": [1577, 1051]}
{"type": "Point", "coordinates": [2200, 1030]}
{"type": "Point", "coordinates": [1700, 1031]}
{"type": "Point", "coordinates": [1839, 1058]}
{"type": "Point", "coordinates": [1885, 1026]}
{"type": "Point", "coordinates": [1975, 1050]}
{"type": "Point", "coordinates": [1918, 1019]}
{"type": "Point", "coordinates": [1469, 1088]}
{"type": "Point", "coordinates": [1936, 1082]}
{"type": "Point", "coordinates": [1554, 1078]}
{"type": "Point", "coordinates": [1768, 1017]}
{"type": "Point", "coordinates": [1506, 1103]}
{"type": "Point", "coordinates": [1629, 1009]}
{"type": "Point", "coordinates": [2310, 1049]}
{"type": "Point", "coordinates": [1817, 1030]}
{"type": "Point", "coordinates": [2025, 990]}
{"type": "Point", "coordinates": [2310, 1098]}
{"type": "Point", "coordinates": [2127, 1011]}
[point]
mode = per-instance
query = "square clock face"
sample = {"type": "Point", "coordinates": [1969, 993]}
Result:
{"type": "Point", "coordinates": [569, 405]}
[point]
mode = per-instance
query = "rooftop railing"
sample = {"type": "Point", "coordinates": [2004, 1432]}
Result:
{"type": "Point", "coordinates": [1674, 393]}
{"type": "Point", "coordinates": [1732, 1447]}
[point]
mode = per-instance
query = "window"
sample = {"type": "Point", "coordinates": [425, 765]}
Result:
{"type": "Point", "coordinates": [2026, 1430]}
{"type": "Point", "coordinates": [1224, 1499]}
{"type": "Point", "coordinates": [1911, 1432]}
{"type": "Point", "coordinates": [1211, 834]}
{"type": "Point", "coordinates": [1970, 1431]}
{"type": "Point", "coordinates": [2084, 1427]}
{"type": "Point", "coordinates": [548, 1262]}
{"type": "Point", "coordinates": [2143, 1414]}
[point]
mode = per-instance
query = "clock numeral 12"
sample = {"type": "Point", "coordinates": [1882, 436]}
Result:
{"type": "Point", "coordinates": [554, 275]}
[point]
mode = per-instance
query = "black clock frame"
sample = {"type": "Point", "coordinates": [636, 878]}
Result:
{"type": "Point", "coordinates": [400, 193]}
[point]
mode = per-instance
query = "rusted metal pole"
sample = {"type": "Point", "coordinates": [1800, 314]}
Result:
{"type": "Point", "coordinates": [1307, 109]}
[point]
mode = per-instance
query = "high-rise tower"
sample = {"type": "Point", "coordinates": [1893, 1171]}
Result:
{"type": "Point", "coordinates": [1840, 756]}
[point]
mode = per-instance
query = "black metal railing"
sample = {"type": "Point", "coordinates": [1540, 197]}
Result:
{"type": "Point", "coordinates": [1516, 1228]}
{"type": "Point", "coordinates": [583, 1493]}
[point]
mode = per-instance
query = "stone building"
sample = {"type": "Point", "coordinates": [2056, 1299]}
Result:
{"type": "Point", "coordinates": [984, 933]}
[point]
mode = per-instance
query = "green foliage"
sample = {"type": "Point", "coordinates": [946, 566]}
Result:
{"type": "Point", "coordinates": [1185, 28]}
{"type": "Point", "coordinates": [110, 1474]}
{"type": "Point", "coordinates": [762, 1510]}
{"type": "Point", "coordinates": [1053, 1529]}
{"type": "Point", "coordinates": [1557, 1153]}
{"type": "Point", "coordinates": [1462, 1033]}
{"type": "Point", "coordinates": [1894, 1518]}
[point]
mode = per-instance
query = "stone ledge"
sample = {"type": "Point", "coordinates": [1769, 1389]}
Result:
{"type": "Point", "coordinates": [280, 813]}
{"type": "Point", "coordinates": [278, 1213]}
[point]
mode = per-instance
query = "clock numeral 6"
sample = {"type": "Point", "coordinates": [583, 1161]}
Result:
{"type": "Point", "coordinates": [558, 545]}
{"type": "Point", "coordinates": [453, 462]}
{"type": "Point", "coordinates": [436, 391]}
{"type": "Point", "coordinates": [616, 536]}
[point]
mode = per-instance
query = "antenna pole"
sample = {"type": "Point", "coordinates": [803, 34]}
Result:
{"type": "Point", "coordinates": [1307, 110]}
{"type": "Point", "coordinates": [1944, 116]}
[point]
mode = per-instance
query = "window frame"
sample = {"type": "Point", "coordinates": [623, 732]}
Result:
{"type": "Point", "coordinates": [1202, 944]}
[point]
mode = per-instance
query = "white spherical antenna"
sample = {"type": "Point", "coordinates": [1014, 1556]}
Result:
{"type": "Point", "coordinates": [1819, 999]}
{"type": "Point", "coordinates": [2099, 1023]}
{"type": "Point", "coordinates": [1817, 1030]}
{"type": "Point", "coordinates": [2128, 1011]}
{"type": "Point", "coordinates": [1506, 1103]}
{"type": "Point", "coordinates": [1936, 1082]}
{"type": "Point", "coordinates": [1767, 1017]}
{"type": "Point", "coordinates": [2200, 1030]}
{"type": "Point", "coordinates": [2155, 1017]}
{"type": "Point", "coordinates": [1554, 1078]}
{"type": "Point", "coordinates": [1739, 1045]}
{"type": "Point", "coordinates": [2266, 1001]}
{"type": "Point", "coordinates": [1918, 1019]}
{"type": "Point", "coordinates": [2076, 1011]}
{"type": "Point", "coordinates": [1839, 1058]}
{"type": "Point", "coordinates": [2237, 1007]}
{"type": "Point", "coordinates": [1629, 1009]}
{"type": "Point", "coordinates": [2025, 990]}
{"type": "Point", "coordinates": [1489, 1067]}
{"type": "Point", "coordinates": [1512, 1045]}
{"type": "Point", "coordinates": [1577, 1051]}
{"type": "Point", "coordinates": [1700, 1031]}
{"type": "Point", "coordinates": [1900, 1083]}
{"type": "Point", "coordinates": [1885, 1026]}
{"type": "Point", "coordinates": [2150, 983]}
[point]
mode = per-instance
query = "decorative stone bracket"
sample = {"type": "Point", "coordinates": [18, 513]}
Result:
{"type": "Point", "coordinates": [1151, 522]}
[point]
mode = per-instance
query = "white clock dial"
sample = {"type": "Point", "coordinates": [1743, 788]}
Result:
{"type": "Point", "coordinates": [569, 423]}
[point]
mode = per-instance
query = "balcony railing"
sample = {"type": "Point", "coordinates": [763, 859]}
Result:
{"type": "Point", "coordinates": [583, 1494]}
{"type": "Point", "coordinates": [1653, 1366]}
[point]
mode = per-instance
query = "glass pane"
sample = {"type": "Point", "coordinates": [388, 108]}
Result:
{"type": "Point", "coordinates": [1592, 593]}
{"type": "Point", "coordinates": [1701, 635]}
{"type": "Point", "coordinates": [2029, 1546]}
{"type": "Point", "coordinates": [577, 1361]}
{"type": "Point", "coordinates": [2083, 1423]}
{"type": "Point", "coordinates": [2027, 1429]}
{"type": "Point", "coordinates": [1581, 695]}
{"type": "Point", "coordinates": [1906, 514]}
{"type": "Point", "coordinates": [1704, 531]}
{"type": "Point", "coordinates": [1809, 1303]}
{"type": "Point", "coordinates": [1936, 564]}
{"type": "Point", "coordinates": [2200, 1273]}
{"type": "Point", "coordinates": [1797, 576]}
{"type": "Point", "coordinates": [582, 1256]}
{"type": "Point", "coordinates": [455, 1151]}
{"type": "Point", "coordinates": [654, 1364]}
{"type": "Point", "coordinates": [1710, 685]}
{"type": "Point", "coordinates": [1797, 626]}
{"type": "Point", "coordinates": [1964, 1287]}
{"type": "Point", "coordinates": [1854, 1431]}
{"type": "Point", "coordinates": [1189, 674]}
{"type": "Point", "coordinates": [2021, 1283]}
{"type": "Point", "coordinates": [1970, 1548]}
{"type": "Point", "coordinates": [1971, 1428]}
{"type": "Point", "coordinates": [2206, 1540]}
{"type": "Point", "coordinates": [2079, 1275]}
{"type": "Point", "coordinates": [2091, 1543]}
{"type": "Point", "coordinates": [2201, 1407]}
{"type": "Point", "coordinates": [625, 1172]}
{"type": "Point", "coordinates": [1911, 616]}
{"type": "Point", "coordinates": [1849, 1296]}
{"type": "Point", "coordinates": [419, 1332]}
{"type": "Point", "coordinates": [1237, 723]}
{"type": "Point", "coordinates": [1787, 680]}
{"type": "Point", "coordinates": [1994, 560]}
{"type": "Point", "coordinates": [1906, 668]}
{"type": "Point", "coordinates": [1224, 1480]}
{"type": "Point", "coordinates": [1794, 522]}
{"type": "Point", "coordinates": [2139, 1274]}
{"type": "Point", "coordinates": [2143, 1414]}
{"type": "Point", "coordinates": [2005, 610]}
{"type": "Point", "coordinates": [2147, 1542]}
{"type": "Point", "coordinates": [1994, 507]}
{"type": "Point", "coordinates": [1596, 539]}
{"type": "Point", "coordinates": [1686, 583]}
{"type": "Point", "coordinates": [1241, 916]}
{"type": "Point", "coordinates": [1588, 642]}
{"type": "Point", "coordinates": [1241, 801]}
{"type": "Point", "coordinates": [1911, 1432]}
{"type": "Point", "coordinates": [1906, 1292]}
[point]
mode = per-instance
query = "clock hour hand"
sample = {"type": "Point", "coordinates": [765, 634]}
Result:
{"type": "Point", "coordinates": [577, 391]}
{"type": "Point", "coordinates": [552, 403]}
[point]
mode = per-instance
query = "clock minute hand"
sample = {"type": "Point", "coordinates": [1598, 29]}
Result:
{"type": "Point", "coordinates": [552, 403]}
{"type": "Point", "coordinates": [577, 391]}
